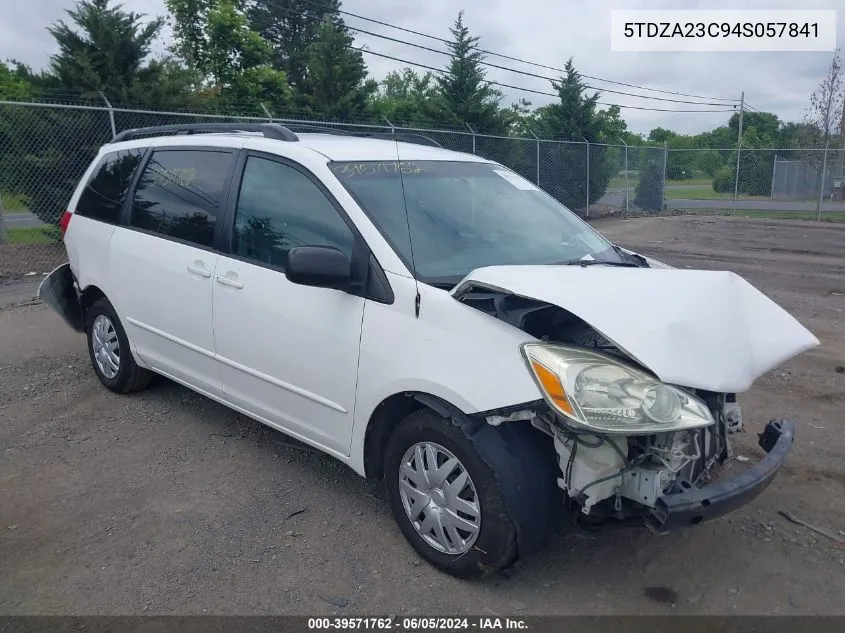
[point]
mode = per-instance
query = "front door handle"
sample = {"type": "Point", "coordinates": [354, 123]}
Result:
{"type": "Point", "coordinates": [198, 268]}
{"type": "Point", "coordinates": [229, 280]}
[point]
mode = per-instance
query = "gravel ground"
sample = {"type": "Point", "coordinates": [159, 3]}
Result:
{"type": "Point", "coordinates": [165, 502]}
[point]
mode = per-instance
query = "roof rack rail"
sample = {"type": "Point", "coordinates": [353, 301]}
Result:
{"type": "Point", "coordinates": [269, 130]}
{"type": "Point", "coordinates": [406, 137]}
{"type": "Point", "coordinates": [274, 131]}
{"type": "Point", "coordinates": [319, 129]}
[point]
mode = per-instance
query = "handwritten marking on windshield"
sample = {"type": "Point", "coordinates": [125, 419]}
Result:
{"type": "Point", "coordinates": [350, 170]}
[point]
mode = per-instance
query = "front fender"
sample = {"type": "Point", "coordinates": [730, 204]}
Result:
{"type": "Point", "coordinates": [451, 351]}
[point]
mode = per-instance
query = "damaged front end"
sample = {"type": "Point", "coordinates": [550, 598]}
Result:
{"type": "Point", "coordinates": [670, 480]}
{"type": "Point", "coordinates": [629, 445]}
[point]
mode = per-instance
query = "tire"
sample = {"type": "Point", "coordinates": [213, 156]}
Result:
{"type": "Point", "coordinates": [502, 517]}
{"type": "Point", "coordinates": [102, 324]}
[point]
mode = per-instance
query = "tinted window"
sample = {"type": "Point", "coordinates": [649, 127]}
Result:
{"type": "Point", "coordinates": [103, 198]}
{"type": "Point", "coordinates": [280, 208]}
{"type": "Point", "coordinates": [180, 194]}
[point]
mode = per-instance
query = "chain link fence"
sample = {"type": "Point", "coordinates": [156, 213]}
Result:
{"type": "Point", "coordinates": [45, 149]}
{"type": "Point", "coordinates": [807, 184]}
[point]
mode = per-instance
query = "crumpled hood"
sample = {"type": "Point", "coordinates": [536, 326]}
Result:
{"type": "Point", "coordinates": [702, 329]}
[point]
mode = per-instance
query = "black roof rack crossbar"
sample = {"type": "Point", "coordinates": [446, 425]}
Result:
{"type": "Point", "coordinates": [269, 130]}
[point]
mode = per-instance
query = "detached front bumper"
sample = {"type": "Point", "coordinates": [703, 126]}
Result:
{"type": "Point", "coordinates": [697, 505]}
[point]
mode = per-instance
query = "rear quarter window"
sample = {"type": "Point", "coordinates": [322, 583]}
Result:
{"type": "Point", "coordinates": [180, 194]}
{"type": "Point", "coordinates": [103, 196]}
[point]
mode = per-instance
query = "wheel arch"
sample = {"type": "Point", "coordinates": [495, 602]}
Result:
{"type": "Point", "coordinates": [90, 294]}
{"type": "Point", "coordinates": [387, 415]}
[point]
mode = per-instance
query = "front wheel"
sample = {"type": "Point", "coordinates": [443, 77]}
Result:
{"type": "Point", "coordinates": [443, 480]}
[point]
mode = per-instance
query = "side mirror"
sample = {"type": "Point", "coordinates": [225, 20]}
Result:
{"type": "Point", "coordinates": [318, 266]}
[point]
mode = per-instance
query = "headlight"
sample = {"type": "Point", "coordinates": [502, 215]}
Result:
{"type": "Point", "coordinates": [602, 394]}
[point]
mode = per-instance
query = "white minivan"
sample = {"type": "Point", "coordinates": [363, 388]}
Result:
{"type": "Point", "coordinates": [428, 317]}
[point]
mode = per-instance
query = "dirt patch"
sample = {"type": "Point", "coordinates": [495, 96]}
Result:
{"type": "Point", "coordinates": [19, 260]}
{"type": "Point", "coordinates": [167, 503]}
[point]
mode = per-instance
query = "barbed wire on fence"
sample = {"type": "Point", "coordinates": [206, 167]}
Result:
{"type": "Point", "coordinates": [46, 147]}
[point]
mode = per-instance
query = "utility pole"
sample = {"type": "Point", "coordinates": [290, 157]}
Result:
{"type": "Point", "coordinates": [739, 146]}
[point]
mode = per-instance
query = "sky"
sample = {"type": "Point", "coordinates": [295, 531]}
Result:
{"type": "Point", "coordinates": [546, 32]}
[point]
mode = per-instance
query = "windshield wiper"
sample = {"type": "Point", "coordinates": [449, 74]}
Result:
{"type": "Point", "coordinates": [596, 262]}
{"type": "Point", "coordinates": [639, 259]}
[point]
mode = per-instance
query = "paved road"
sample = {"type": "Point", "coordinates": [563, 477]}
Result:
{"type": "Point", "coordinates": [21, 220]}
{"type": "Point", "coordinates": [617, 198]}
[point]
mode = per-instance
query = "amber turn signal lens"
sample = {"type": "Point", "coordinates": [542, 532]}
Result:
{"type": "Point", "coordinates": [552, 387]}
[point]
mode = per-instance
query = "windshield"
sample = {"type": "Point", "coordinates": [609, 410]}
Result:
{"type": "Point", "coordinates": [463, 216]}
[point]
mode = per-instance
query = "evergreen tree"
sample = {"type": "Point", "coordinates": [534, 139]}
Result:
{"type": "Point", "coordinates": [575, 117]}
{"type": "Point", "coordinates": [649, 192]}
{"type": "Point", "coordinates": [464, 95]}
{"type": "Point", "coordinates": [336, 85]}
{"type": "Point", "coordinates": [106, 49]}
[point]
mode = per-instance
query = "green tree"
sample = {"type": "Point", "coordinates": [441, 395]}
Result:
{"type": "Point", "coordinates": [765, 124]}
{"type": "Point", "coordinates": [336, 85]}
{"type": "Point", "coordinates": [290, 27]}
{"type": "Point", "coordinates": [576, 117]}
{"type": "Point", "coordinates": [708, 161]}
{"type": "Point", "coordinates": [660, 135]}
{"type": "Point", "coordinates": [649, 193]}
{"type": "Point", "coordinates": [106, 49]}
{"type": "Point", "coordinates": [234, 62]}
{"type": "Point", "coordinates": [12, 86]}
{"type": "Point", "coordinates": [682, 155]}
{"type": "Point", "coordinates": [464, 95]}
{"type": "Point", "coordinates": [405, 96]}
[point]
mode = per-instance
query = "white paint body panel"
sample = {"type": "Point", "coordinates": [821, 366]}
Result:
{"type": "Point", "coordinates": [451, 351]}
{"type": "Point", "coordinates": [702, 329]}
{"type": "Point", "coordinates": [289, 353]}
{"type": "Point", "coordinates": [165, 309]}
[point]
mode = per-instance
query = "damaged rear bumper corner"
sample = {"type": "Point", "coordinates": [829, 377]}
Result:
{"type": "Point", "coordinates": [58, 290]}
{"type": "Point", "coordinates": [697, 505]}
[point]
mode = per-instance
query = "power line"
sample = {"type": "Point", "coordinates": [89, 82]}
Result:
{"type": "Point", "coordinates": [516, 59]}
{"type": "Point", "coordinates": [531, 90]}
{"type": "Point", "coordinates": [526, 73]}
{"type": "Point", "coordinates": [504, 85]}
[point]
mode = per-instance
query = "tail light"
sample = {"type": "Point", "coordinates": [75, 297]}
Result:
{"type": "Point", "coordinates": [64, 222]}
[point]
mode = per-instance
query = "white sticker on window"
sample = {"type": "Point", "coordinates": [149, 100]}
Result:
{"type": "Point", "coordinates": [517, 181]}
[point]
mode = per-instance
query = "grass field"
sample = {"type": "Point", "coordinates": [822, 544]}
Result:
{"type": "Point", "coordinates": [34, 235]}
{"type": "Point", "coordinates": [12, 202]}
{"type": "Point", "coordinates": [701, 182]}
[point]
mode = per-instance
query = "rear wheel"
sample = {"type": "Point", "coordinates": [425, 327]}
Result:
{"type": "Point", "coordinates": [447, 499]}
{"type": "Point", "coordinates": [108, 348]}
